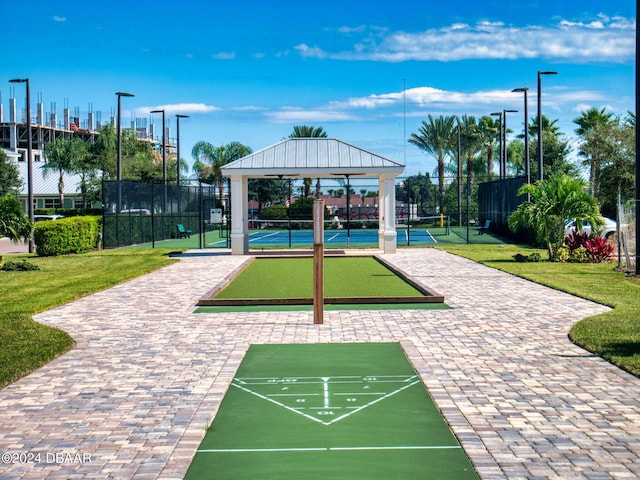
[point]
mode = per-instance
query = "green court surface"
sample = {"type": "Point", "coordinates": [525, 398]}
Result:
{"type": "Point", "coordinates": [318, 411]}
{"type": "Point", "coordinates": [293, 277]}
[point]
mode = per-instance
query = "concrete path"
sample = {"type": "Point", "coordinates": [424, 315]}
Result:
{"type": "Point", "coordinates": [134, 398]}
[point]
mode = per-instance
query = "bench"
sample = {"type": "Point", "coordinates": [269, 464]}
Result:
{"type": "Point", "coordinates": [182, 232]}
{"type": "Point", "coordinates": [484, 228]}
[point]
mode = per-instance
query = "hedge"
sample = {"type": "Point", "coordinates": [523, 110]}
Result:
{"type": "Point", "coordinates": [67, 235]}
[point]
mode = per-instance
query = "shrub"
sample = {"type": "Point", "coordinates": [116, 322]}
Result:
{"type": "Point", "coordinates": [599, 250]}
{"type": "Point", "coordinates": [68, 235]}
{"type": "Point", "coordinates": [534, 257]}
{"type": "Point", "coordinates": [561, 254]}
{"type": "Point", "coordinates": [584, 248]}
{"type": "Point", "coordinates": [21, 266]}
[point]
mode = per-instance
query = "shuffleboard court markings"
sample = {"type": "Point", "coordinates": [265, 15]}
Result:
{"type": "Point", "coordinates": [326, 400]}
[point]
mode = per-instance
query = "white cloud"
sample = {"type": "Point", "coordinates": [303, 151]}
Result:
{"type": "Point", "coordinates": [180, 108]}
{"type": "Point", "coordinates": [604, 39]}
{"type": "Point", "coordinates": [307, 51]}
{"type": "Point", "coordinates": [224, 55]}
{"type": "Point", "coordinates": [58, 18]}
{"type": "Point", "coordinates": [294, 114]}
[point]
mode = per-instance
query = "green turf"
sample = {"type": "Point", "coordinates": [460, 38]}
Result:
{"type": "Point", "coordinates": [293, 277]}
{"type": "Point", "coordinates": [379, 423]}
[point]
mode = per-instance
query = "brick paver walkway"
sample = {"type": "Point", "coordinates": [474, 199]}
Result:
{"type": "Point", "coordinates": [134, 398]}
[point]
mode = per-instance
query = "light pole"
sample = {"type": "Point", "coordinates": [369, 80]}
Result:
{"type": "Point", "coordinates": [499, 115]}
{"type": "Point", "coordinates": [540, 163]}
{"type": "Point", "coordinates": [29, 158]}
{"type": "Point", "coordinates": [164, 159]}
{"type": "Point", "coordinates": [504, 139]}
{"type": "Point", "coordinates": [178, 117]}
{"type": "Point", "coordinates": [119, 148]}
{"type": "Point", "coordinates": [527, 159]}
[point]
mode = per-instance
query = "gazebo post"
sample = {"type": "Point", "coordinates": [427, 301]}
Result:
{"type": "Point", "coordinates": [389, 200]}
{"type": "Point", "coordinates": [239, 215]}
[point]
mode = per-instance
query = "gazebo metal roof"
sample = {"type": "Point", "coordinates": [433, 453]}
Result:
{"type": "Point", "coordinates": [311, 157]}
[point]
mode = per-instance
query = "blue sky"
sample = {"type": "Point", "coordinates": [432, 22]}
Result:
{"type": "Point", "coordinates": [367, 72]}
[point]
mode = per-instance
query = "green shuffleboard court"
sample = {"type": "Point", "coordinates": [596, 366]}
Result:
{"type": "Point", "coordinates": [348, 281]}
{"type": "Point", "coordinates": [320, 411]}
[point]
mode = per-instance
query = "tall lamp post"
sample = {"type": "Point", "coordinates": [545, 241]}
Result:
{"type": "Point", "coordinates": [499, 115]}
{"type": "Point", "coordinates": [119, 148]}
{"type": "Point", "coordinates": [540, 162]}
{"type": "Point", "coordinates": [527, 159]}
{"type": "Point", "coordinates": [164, 159]}
{"type": "Point", "coordinates": [504, 139]}
{"type": "Point", "coordinates": [178, 117]}
{"type": "Point", "coordinates": [29, 158]}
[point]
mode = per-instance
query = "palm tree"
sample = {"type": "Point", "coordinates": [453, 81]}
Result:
{"type": "Point", "coordinates": [57, 155]}
{"type": "Point", "coordinates": [14, 224]}
{"type": "Point", "coordinates": [489, 132]}
{"type": "Point", "coordinates": [436, 137]}
{"type": "Point", "coordinates": [554, 201]}
{"type": "Point", "coordinates": [307, 131]}
{"type": "Point", "coordinates": [594, 128]}
{"type": "Point", "coordinates": [210, 160]}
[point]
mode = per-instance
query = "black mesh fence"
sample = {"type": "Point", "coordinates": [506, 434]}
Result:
{"type": "Point", "coordinates": [144, 213]}
{"type": "Point", "coordinates": [137, 213]}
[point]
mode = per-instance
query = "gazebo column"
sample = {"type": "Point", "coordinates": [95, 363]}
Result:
{"type": "Point", "coordinates": [381, 212]}
{"type": "Point", "coordinates": [389, 213]}
{"type": "Point", "coordinates": [239, 215]}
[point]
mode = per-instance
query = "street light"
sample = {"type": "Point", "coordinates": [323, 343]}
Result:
{"type": "Point", "coordinates": [119, 148]}
{"type": "Point", "coordinates": [29, 158]}
{"type": "Point", "coordinates": [504, 139]}
{"type": "Point", "coordinates": [164, 150]}
{"type": "Point", "coordinates": [540, 163]}
{"type": "Point", "coordinates": [499, 115]}
{"type": "Point", "coordinates": [178, 117]}
{"type": "Point", "coordinates": [527, 160]}
{"type": "Point", "coordinates": [164, 159]}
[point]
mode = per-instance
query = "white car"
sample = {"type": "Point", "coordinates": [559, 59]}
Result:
{"type": "Point", "coordinates": [609, 228]}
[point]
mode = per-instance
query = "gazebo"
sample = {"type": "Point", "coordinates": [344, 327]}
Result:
{"type": "Point", "coordinates": [312, 158]}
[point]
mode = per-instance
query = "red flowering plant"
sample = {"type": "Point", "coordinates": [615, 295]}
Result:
{"type": "Point", "coordinates": [588, 248]}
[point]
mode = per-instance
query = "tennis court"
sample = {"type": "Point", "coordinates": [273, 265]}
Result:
{"type": "Point", "coordinates": [318, 411]}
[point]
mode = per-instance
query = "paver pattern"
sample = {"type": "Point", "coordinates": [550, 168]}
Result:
{"type": "Point", "coordinates": [134, 397]}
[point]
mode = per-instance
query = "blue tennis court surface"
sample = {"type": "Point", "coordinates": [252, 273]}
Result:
{"type": "Point", "coordinates": [335, 238]}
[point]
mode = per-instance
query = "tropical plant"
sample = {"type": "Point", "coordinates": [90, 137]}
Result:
{"type": "Point", "coordinates": [209, 161]}
{"type": "Point", "coordinates": [307, 131]}
{"type": "Point", "coordinates": [555, 150]}
{"type": "Point", "coordinates": [552, 202]}
{"type": "Point", "coordinates": [595, 131]}
{"type": "Point", "coordinates": [437, 137]}
{"type": "Point", "coordinates": [13, 222]}
{"type": "Point", "coordinates": [489, 131]}
{"type": "Point", "coordinates": [57, 155]}
{"type": "Point", "coordinates": [10, 181]}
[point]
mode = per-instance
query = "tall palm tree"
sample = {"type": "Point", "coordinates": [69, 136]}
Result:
{"type": "Point", "coordinates": [57, 156]}
{"type": "Point", "coordinates": [211, 159]}
{"type": "Point", "coordinates": [489, 132]}
{"type": "Point", "coordinates": [554, 201]}
{"type": "Point", "coordinates": [437, 137]}
{"type": "Point", "coordinates": [307, 131]}
{"type": "Point", "coordinates": [594, 128]}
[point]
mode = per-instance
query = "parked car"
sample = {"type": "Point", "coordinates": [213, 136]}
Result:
{"type": "Point", "coordinates": [609, 228]}
{"type": "Point", "coordinates": [41, 218]}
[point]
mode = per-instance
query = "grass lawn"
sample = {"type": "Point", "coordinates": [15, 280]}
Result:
{"type": "Point", "coordinates": [26, 345]}
{"type": "Point", "coordinates": [293, 278]}
{"type": "Point", "coordinates": [614, 335]}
